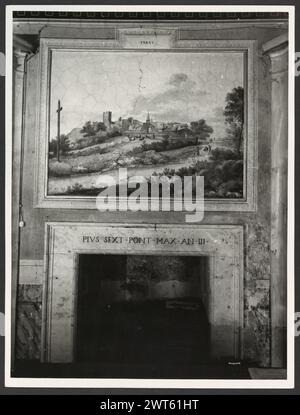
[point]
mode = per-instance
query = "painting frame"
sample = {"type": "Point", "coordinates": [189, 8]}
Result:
{"type": "Point", "coordinates": [127, 39]}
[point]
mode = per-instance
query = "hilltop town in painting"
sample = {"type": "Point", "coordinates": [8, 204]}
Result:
{"type": "Point", "coordinates": [152, 113]}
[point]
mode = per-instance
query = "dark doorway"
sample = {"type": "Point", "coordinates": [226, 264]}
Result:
{"type": "Point", "coordinates": [142, 316]}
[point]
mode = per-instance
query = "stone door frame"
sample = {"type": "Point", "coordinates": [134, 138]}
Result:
{"type": "Point", "coordinates": [64, 243]}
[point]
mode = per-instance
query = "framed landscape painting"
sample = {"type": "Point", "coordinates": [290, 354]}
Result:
{"type": "Point", "coordinates": [186, 110]}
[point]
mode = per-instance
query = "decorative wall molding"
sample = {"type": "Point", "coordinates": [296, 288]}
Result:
{"type": "Point", "coordinates": [147, 38]}
{"type": "Point", "coordinates": [18, 107]}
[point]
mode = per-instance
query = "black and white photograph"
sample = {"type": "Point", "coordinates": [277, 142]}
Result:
{"type": "Point", "coordinates": [141, 110]}
{"type": "Point", "coordinates": [199, 101]}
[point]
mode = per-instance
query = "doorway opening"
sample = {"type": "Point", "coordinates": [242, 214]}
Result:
{"type": "Point", "coordinates": [143, 316]}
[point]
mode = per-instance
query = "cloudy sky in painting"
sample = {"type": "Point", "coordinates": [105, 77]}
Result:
{"type": "Point", "coordinates": [180, 87]}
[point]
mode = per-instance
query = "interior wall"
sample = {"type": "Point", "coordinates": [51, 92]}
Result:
{"type": "Point", "coordinates": [256, 333]}
{"type": "Point", "coordinates": [145, 277]}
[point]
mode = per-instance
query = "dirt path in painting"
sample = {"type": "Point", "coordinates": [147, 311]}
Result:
{"type": "Point", "coordinates": [60, 185]}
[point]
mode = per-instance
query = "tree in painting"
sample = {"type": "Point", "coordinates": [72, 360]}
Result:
{"type": "Point", "coordinates": [234, 116]}
{"type": "Point", "coordinates": [64, 145]}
